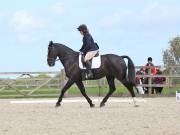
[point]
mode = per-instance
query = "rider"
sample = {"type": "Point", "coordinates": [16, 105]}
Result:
{"type": "Point", "coordinates": [89, 48]}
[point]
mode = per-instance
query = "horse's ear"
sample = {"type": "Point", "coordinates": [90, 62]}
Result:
{"type": "Point", "coordinates": [50, 43]}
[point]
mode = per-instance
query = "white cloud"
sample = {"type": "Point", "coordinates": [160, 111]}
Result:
{"type": "Point", "coordinates": [2, 16]}
{"type": "Point", "coordinates": [111, 21]}
{"type": "Point", "coordinates": [23, 38]}
{"type": "Point", "coordinates": [117, 19]}
{"type": "Point", "coordinates": [159, 12]}
{"type": "Point", "coordinates": [57, 8]}
{"type": "Point", "coordinates": [118, 1]}
{"type": "Point", "coordinates": [153, 12]}
{"type": "Point", "coordinates": [24, 21]}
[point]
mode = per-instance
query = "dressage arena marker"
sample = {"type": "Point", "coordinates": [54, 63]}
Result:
{"type": "Point", "coordinates": [124, 100]}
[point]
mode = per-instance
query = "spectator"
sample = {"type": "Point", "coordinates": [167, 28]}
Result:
{"type": "Point", "coordinates": [150, 63]}
{"type": "Point", "coordinates": [139, 81]}
{"type": "Point", "coordinates": [159, 80]}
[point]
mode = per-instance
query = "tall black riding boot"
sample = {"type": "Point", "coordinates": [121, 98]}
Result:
{"type": "Point", "coordinates": [89, 71]}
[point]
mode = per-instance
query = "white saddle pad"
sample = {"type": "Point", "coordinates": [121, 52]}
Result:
{"type": "Point", "coordinates": [96, 62]}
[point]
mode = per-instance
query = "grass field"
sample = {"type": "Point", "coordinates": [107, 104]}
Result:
{"type": "Point", "coordinates": [74, 91]}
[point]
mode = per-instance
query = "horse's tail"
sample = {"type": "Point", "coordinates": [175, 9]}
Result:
{"type": "Point", "coordinates": [131, 70]}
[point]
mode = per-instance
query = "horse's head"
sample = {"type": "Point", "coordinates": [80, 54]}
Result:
{"type": "Point", "coordinates": [52, 54]}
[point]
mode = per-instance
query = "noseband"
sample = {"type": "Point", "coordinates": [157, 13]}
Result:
{"type": "Point", "coordinates": [52, 59]}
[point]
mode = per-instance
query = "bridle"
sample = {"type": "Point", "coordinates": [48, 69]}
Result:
{"type": "Point", "coordinates": [52, 59]}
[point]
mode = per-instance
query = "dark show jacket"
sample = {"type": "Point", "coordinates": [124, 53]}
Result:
{"type": "Point", "coordinates": [88, 44]}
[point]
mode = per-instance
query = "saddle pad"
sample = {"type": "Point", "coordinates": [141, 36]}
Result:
{"type": "Point", "coordinates": [96, 62]}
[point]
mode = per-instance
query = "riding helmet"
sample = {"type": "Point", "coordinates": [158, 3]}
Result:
{"type": "Point", "coordinates": [149, 59]}
{"type": "Point", "coordinates": [83, 28]}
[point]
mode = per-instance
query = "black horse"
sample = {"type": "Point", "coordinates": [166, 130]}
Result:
{"type": "Point", "coordinates": [112, 66]}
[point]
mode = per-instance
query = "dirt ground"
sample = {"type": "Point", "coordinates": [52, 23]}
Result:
{"type": "Point", "coordinates": [156, 116]}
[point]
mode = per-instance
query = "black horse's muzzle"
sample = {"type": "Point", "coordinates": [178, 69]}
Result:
{"type": "Point", "coordinates": [51, 62]}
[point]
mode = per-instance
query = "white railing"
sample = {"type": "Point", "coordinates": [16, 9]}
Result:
{"type": "Point", "coordinates": [28, 83]}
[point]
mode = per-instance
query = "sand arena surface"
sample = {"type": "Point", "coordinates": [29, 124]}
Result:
{"type": "Point", "coordinates": [156, 116]}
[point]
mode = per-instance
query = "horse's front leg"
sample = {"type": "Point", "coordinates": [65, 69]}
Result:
{"type": "Point", "coordinates": [83, 92]}
{"type": "Point", "coordinates": [65, 88]}
{"type": "Point", "coordinates": [112, 88]}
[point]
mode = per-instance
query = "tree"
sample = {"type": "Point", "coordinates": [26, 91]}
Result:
{"type": "Point", "coordinates": [171, 56]}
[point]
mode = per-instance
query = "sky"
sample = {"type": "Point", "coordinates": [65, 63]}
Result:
{"type": "Point", "coordinates": [137, 28]}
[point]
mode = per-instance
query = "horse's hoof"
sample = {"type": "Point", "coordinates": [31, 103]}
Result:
{"type": "Point", "coordinates": [57, 105]}
{"type": "Point", "coordinates": [102, 104]}
{"type": "Point", "coordinates": [92, 105]}
{"type": "Point", "coordinates": [136, 105]}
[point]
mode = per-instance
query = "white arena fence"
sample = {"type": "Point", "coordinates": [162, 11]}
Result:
{"type": "Point", "coordinates": [40, 84]}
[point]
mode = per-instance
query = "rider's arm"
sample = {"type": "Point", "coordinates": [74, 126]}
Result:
{"type": "Point", "coordinates": [81, 50]}
{"type": "Point", "coordinates": [86, 43]}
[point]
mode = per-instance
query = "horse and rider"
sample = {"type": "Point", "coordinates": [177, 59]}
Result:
{"type": "Point", "coordinates": [112, 66]}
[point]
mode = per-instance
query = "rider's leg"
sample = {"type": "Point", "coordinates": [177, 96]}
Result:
{"type": "Point", "coordinates": [87, 59]}
{"type": "Point", "coordinates": [90, 55]}
{"type": "Point", "coordinates": [89, 71]}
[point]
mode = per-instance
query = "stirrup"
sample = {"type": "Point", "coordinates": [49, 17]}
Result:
{"type": "Point", "coordinates": [89, 74]}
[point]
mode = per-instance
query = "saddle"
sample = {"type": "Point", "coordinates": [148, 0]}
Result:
{"type": "Point", "coordinates": [95, 62]}
{"type": "Point", "coordinates": [87, 68]}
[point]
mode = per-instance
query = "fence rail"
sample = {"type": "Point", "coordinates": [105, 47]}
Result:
{"type": "Point", "coordinates": [30, 83]}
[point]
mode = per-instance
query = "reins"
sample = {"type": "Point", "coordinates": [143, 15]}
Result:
{"type": "Point", "coordinates": [65, 58]}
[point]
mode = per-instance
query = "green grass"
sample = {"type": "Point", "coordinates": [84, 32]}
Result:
{"type": "Point", "coordinates": [74, 91]}
{"type": "Point", "coordinates": [96, 91]}
{"type": "Point", "coordinates": [169, 91]}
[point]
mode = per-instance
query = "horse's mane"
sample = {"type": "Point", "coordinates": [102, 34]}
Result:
{"type": "Point", "coordinates": [65, 48]}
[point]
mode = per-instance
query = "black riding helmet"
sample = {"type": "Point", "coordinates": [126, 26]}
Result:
{"type": "Point", "coordinates": [149, 59]}
{"type": "Point", "coordinates": [83, 28]}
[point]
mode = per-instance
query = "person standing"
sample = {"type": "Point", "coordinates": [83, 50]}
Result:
{"type": "Point", "coordinates": [149, 66]}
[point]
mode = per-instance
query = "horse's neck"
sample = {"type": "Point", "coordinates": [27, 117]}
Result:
{"type": "Point", "coordinates": [66, 55]}
{"type": "Point", "coordinates": [64, 51]}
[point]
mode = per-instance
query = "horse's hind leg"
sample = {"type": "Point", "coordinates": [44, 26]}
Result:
{"type": "Point", "coordinates": [83, 92]}
{"type": "Point", "coordinates": [112, 88]}
{"type": "Point", "coordinates": [129, 86]}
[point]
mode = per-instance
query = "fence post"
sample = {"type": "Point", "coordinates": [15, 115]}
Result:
{"type": "Point", "coordinates": [149, 81]}
{"type": "Point", "coordinates": [170, 79]}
